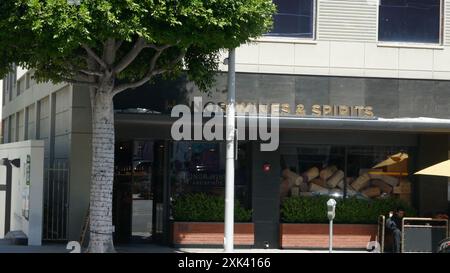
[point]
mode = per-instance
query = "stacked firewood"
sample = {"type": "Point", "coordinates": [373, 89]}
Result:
{"type": "Point", "coordinates": [370, 183]}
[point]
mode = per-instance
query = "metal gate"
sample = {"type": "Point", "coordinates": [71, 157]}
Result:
{"type": "Point", "coordinates": [56, 201]}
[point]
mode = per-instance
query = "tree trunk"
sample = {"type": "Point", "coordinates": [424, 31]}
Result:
{"type": "Point", "coordinates": [102, 174]}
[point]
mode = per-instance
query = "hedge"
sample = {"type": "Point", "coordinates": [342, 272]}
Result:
{"type": "Point", "coordinates": [350, 211]}
{"type": "Point", "coordinates": [200, 207]}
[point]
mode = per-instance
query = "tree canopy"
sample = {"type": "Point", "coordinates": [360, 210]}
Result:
{"type": "Point", "coordinates": [130, 39]}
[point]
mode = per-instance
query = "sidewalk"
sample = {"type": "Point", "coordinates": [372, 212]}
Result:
{"type": "Point", "coordinates": [6, 247]}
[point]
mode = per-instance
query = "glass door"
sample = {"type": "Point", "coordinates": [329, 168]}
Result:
{"type": "Point", "coordinates": [141, 191]}
{"type": "Point", "coordinates": [140, 200]}
{"type": "Point", "coordinates": [160, 200]}
{"type": "Point", "coordinates": [122, 197]}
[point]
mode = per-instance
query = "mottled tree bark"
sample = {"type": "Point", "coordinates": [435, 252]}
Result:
{"type": "Point", "coordinates": [102, 174]}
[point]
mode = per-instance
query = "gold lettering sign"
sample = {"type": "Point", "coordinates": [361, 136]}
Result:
{"type": "Point", "coordinates": [285, 109]}
{"type": "Point", "coordinates": [300, 110]}
{"type": "Point", "coordinates": [263, 109]}
{"type": "Point", "coordinates": [275, 109]}
{"type": "Point", "coordinates": [327, 110]}
{"type": "Point", "coordinates": [344, 110]}
{"type": "Point", "coordinates": [316, 110]}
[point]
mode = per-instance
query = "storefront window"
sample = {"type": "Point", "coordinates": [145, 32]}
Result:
{"type": "Point", "coordinates": [378, 172]}
{"type": "Point", "coordinates": [312, 170]}
{"type": "Point", "coordinates": [364, 172]}
{"type": "Point", "coordinates": [199, 167]}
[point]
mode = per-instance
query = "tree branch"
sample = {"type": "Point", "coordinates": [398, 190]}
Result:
{"type": "Point", "coordinates": [109, 51]}
{"type": "Point", "coordinates": [152, 72]}
{"type": "Point", "coordinates": [91, 73]}
{"type": "Point", "coordinates": [159, 48]}
{"type": "Point", "coordinates": [131, 55]}
{"type": "Point", "coordinates": [91, 53]}
{"type": "Point", "coordinates": [118, 45]}
{"type": "Point", "coordinates": [86, 83]}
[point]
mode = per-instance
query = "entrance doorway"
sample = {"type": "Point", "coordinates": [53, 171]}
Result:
{"type": "Point", "coordinates": [138, 210]}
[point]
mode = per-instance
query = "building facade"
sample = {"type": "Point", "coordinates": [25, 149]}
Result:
{"type": "Point", "coordinates": [355, 82]}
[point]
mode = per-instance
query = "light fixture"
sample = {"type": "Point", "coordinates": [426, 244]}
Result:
{"type": "Point", "coordinates": [14, 162]}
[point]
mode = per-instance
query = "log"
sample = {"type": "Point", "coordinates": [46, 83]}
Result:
{"type": "Point", "coordinates": [310, 174]}
{"type": "Point", "coordinates": [295, 191]}
{"type": "Point", "coordinates": [318, 189]}
{"type": "Point", "coordinates": [391, 180]}
{"type": "Point", "coordinates": [298, 181]}
{"type": "Point", "coordinates": [349, 182]}
{"type": "Point", "coordinates": [372, 192]}
{"type": "Point", "coordinates": [293, 178]}
{"type": "Point", "coordinates": [284, 188]}
{"type": "Point", "coordinates": [303, 187]}
{"type": "Point", "coordinates": [384, 187]}
{"type": "Point", "coordinates": [351, 191]}
{"type": "Point", "coordinates": [327, 172]}
{"type": "Point", "coordinates": [361, 182]}
{"type": "Point", "coordinates": [335, 178]}
{"type": "Point", "coordinates": [286, 172]}
{"type": "Point", "coordinates": [340, 185]}
{"type": "Point", "coordinates": [319, 181]}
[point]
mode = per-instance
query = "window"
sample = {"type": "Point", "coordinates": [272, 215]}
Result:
{"type": "Point", "coordinates": [364, 172]}
{"type": "Point", "coordinates": [294, 18]}
{"type": "Point", "coordinates": [199, 167]}
{"type": "Point", "coordinates": [414, 21]}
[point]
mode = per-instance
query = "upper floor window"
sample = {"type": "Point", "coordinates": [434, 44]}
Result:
{"type": "Point", "coordinates": [413, 21]}
{"type": "Point", "coordinates": [294, 18]}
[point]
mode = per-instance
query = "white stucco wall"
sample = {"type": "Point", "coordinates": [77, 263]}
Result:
{"type": "Point", "coordinates": [32, 226]}
{"type": "Point", "coordinates": [346, 44]}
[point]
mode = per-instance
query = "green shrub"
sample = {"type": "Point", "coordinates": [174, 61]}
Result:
{"type": "Point", "coordinates": [350, 211]}
{"type": "Point", "coordinates": [200, 207]}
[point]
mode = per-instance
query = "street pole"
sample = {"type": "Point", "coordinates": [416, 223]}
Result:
{"type": "Point", "coordinates": [230, 138]}
{"type": "Point", "coordinates": [331, 212]}
{"type": "Point", "coordinates": [330, 243]}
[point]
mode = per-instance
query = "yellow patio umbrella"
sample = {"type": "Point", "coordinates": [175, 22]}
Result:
{"type": "Point", "coordinates": [440, 169]}
{"type": "Point", "coordinates": [391, 160]}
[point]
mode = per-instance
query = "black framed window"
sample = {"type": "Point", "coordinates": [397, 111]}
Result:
{"type": "Point", "coordinates": [414, 21]}
{"type": "Point", "coordinates": [294, 18]}
{"type": "Point", "coordinates": [363, 172]}
{"type": "Point", "coordinates": [199, 167]}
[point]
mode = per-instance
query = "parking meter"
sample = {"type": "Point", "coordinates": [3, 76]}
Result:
{"type": "Point", "coordinates": [331, 208]}
{"type": "Point", "coordinates": [331, 205]}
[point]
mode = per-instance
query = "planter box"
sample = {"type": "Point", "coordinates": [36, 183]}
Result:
{"type": "Point", "coordinates": [203, 233]}
{"type": "Point", "coordinates": [316, 236]}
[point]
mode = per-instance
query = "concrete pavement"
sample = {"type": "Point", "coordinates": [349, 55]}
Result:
{"type": "Point", "coordinates": [6, 247]}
